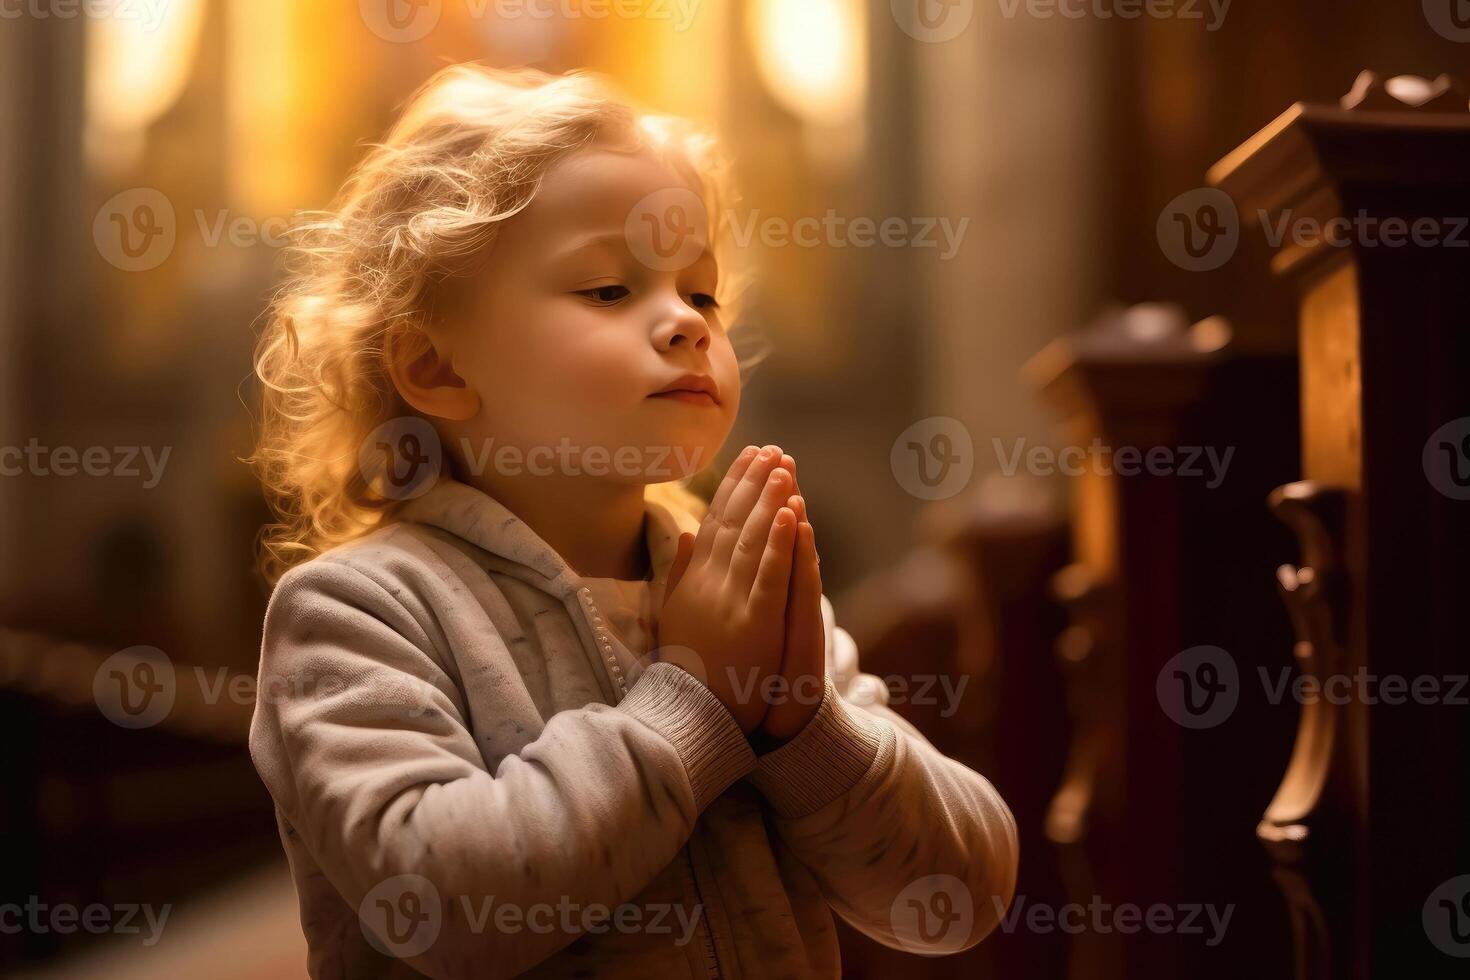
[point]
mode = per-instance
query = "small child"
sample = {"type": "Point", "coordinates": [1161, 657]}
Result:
{"type": "Point", "coordinates": [534, 709]}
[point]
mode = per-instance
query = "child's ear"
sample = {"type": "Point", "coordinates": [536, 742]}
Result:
{"type": "Point", "coordinates": [425, 377]}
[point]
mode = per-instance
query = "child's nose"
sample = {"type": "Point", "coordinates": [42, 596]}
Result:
{"type": "Point", "coordinates": [680, 325]}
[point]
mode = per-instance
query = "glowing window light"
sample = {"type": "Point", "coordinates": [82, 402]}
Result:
{"type": "Point", "coordinates": [136, 69]}
{"type": "Point", "coordinates": [812, 55]}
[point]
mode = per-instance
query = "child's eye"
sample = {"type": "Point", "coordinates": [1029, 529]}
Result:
{"type": "Point", "coordinates": [704, 301]}
{"type": "Point", "coordinates": [604, 294]}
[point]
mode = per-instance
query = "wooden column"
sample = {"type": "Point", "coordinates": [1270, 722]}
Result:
{"type": "Point", "coordinates": [1373, 819]}
{"type": "Point", "coordinates": [1125, 386]}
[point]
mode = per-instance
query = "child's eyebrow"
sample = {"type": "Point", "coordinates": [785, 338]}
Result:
{"type": "Point", "coordinates": [588, 242]}
{"type": "Point", "coordinates": [617, 242]}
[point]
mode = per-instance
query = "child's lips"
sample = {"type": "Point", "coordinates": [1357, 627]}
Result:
{"type": "Point", "coordinates": [687, 396]}
{"type": "Point", "coordinates": [692, 389]}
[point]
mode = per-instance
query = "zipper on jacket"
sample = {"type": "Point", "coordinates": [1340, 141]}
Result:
{"type": "Point", "coordinates": [604, 646]}
{"type": "Point", "coordinates": [604, 643]}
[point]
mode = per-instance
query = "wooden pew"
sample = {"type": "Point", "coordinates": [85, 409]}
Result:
{"type": "Point", "coordinates": [1184, 435]}
{"type": "Point", "coordinates": [1370, 824]}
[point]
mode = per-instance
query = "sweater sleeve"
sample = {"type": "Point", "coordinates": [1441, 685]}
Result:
{"type": "Point", "coordinates": [909, 846]}
{"type": "Point", "coordinates": [371, 761]}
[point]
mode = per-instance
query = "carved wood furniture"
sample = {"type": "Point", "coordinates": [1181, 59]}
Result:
{"type": "Point", "coordinates": [1153, 809]}
{"type": "Point", "coordinates": [1371, 825]}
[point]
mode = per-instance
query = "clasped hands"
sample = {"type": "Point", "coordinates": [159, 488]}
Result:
{"type": "Point", "coordinates": [743, 606]}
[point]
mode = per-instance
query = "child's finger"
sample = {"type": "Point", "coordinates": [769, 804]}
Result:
{"type": "Point", "coordinates": [733, 475]}
{"type": "Point", "coordinates": [798, 506]}
{"type": "Point", "coordinates": [708, 528]}
{"type": "Point", "coordinates": [773, 578]}
{"type": "Point", "coordinates": [682, 555]}
{"type": "Point", "coordinates": [788, 463]}
{"type": "Point", "coordinates": [805, 636]}
{"type": "Point", "coordinates": [803, 662]}
{"type": "Point", "coordinates": [743, 500]}
{"type": "Point", "coordinates": [746, 557]}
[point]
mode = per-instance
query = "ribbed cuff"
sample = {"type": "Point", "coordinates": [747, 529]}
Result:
{"type": "Point", "coordinates": [711, 745]}
{"type": "Point", "coordinates": [826, 759]}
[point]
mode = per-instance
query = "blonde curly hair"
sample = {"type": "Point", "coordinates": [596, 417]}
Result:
{"type": "Point", "coordinates": [468, 152]}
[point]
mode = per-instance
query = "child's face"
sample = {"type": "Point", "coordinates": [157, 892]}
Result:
{"type": "Point", "coordinates": [570, 339]}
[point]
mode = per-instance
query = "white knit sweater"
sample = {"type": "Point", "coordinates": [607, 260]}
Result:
{"type": "Point", "coordinates": [466, 787]}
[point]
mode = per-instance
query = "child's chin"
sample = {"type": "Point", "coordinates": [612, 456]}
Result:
{"type": "Point", "coordinates": [668, 462]}
{"type": "Point", "coordinates": [679, 453]}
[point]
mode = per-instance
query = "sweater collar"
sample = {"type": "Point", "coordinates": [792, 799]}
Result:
{"type": "Point", "coordinates": [476, 517]}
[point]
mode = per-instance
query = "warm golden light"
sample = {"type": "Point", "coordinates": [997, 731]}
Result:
{"type": "Point", "coordinates": [294, 92]}
{"type": "Point", "coordinates": [137, 68]}
{"type": "Point", "coordinates": [812, 55]}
